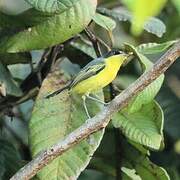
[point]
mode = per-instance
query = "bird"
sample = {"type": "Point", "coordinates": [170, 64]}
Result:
{"type": "Point", "coordinates": [95, 76]}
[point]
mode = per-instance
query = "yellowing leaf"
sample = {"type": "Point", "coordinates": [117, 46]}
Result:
{"type": "Point", "coordinates": [142, 10]}
{"type": "Point", "coordinates": [152, 25]}
{"type": "Point", "coordinates": [177, 5]}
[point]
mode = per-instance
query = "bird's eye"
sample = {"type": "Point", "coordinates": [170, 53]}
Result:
{"type": "Point", "coordinates": [116, 52]}
{"type": "Point", "coordinates": [113, 52]}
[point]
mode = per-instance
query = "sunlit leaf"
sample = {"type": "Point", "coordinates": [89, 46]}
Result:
{"type": "Point", "coordinates": [142, 10]}
{"type": "Point", "coordinates": [131, 173]}
{"type": "Point", "coordinates": [177, 147]}
{"type": "Point", "coordinates": [151, 25]}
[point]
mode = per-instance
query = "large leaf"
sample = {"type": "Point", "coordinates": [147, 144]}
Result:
{"type": "Point", "coordinates": [144, 127]}
{"type": "Point", "coordinates": [7, 83]}
{"type": "Point", "coordinates": [142, 10]}
{"type": "Point", "coordinates": [54, 118]}
{"type": "Point", "coordinates": [56, 29]}
{"type": "Point", "coordinates": [152, 25]}
{"type": "Point", "coordinates": [104, 21]}
{"type": "Point", "coordinates": [9, 160]}
{"type": "Point", "coordinates": [149, 93]}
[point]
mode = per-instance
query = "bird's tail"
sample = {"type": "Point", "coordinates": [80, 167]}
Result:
{"type": "Point", "coordinates": [57, 92]}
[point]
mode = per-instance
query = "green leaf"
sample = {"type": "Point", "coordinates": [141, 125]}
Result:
{"type": "Point", "coordinates": [9, 160]}
{"type": "Point", "coordinates": [56, 29]}
{"type": "Point", "coordinates": [52, 6]}
{"type": "Point", "coordinates": [142, 10]}
{"type": "Point", "coordinates": [104, 21]}
{"type": "Point", "coordinates": [153, 48]}
{"type": "Point", "coordinates": [147, 170]}
{"type": "Point", "coordinates": [151, 25]}
{"type": "Point", "coordinates": [155, 26]}
{"type": "Point", "coordinates": [144, 127]}
{"type": "Point", "coordinates": [7, 84]}
{"type": "Point", "coordinates": [53, 119]}
{"type": "Point", "coordinates": [149, 93]}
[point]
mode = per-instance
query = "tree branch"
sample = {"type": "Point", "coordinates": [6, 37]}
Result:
{"type": "Point", "coordinates": [101, 120]}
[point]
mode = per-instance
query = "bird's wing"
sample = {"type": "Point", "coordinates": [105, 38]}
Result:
{"type": "Point", "coordinates": [89, 70]}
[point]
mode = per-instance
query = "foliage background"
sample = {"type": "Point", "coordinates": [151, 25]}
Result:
{"type": "Point", "coordinates": [14, 133]}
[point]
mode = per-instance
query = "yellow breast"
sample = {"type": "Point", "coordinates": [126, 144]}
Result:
{"type": "Point", "coordinates": [103, 78]}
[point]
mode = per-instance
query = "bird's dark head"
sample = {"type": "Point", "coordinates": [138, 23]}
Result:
{"type": "Point", "coordinates": [114, 52]}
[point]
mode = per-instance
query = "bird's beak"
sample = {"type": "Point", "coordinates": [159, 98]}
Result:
{"type": "Point", "coordinates": [129, 57]}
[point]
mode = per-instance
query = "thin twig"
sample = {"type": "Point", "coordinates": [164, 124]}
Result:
{"type": "Point", "coordinates": [103, 43]}
{"type": "Point", "coordinates": [94, 41]}
{"type": "Point", "coordinates": [101, 119]}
